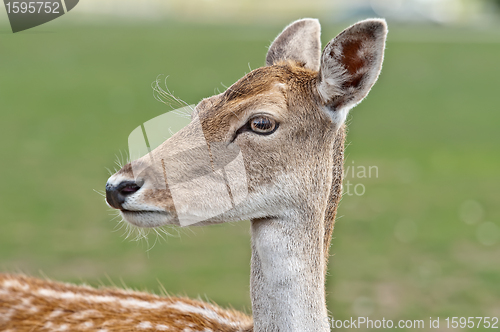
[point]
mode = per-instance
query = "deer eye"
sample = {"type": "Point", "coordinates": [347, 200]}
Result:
{"type": "Point", "coordinates": [263, 125]}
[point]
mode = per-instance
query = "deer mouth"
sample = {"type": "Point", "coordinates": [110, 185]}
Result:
{"type": "Point", "coordinates": [147, 218]}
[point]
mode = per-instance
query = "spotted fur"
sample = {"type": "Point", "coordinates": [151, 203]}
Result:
{"type": "Point", "coordinates": [31, 304]}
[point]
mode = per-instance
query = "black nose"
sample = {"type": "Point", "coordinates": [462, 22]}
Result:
{"type": "Point", "coordinates": [116, 195]}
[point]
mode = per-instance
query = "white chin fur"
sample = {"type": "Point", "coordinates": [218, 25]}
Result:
{"type": "Point", "coordinates": [146, 219]}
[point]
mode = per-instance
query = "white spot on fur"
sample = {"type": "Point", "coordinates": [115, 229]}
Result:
{"type": "Point", "coordinates": [62, 328]}
{"type": "Point", "coordinates": [85, 314]}
{"type": "Point", "coordinates": [128, 302]}
{"type": "Point", "coordinates": [162, 327]}
{"type": "Point", "coordinates": [55, 313]}
{"type": "Point", "coordinates": [87, 325]}
{"type": "Point", "coordinates": [15, 284]}
{"type": "Point", "coordinates": [25, 305]}
{"type": "Point", "coordinates": [144, 325]}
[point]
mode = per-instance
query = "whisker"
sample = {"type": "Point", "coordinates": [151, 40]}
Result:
{"type": "Point", "coordinates": [100, 192]}
{"type": "Point", "coordinates": [109, 171]}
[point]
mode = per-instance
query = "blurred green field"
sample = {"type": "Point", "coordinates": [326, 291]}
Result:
{"type": "Point", "coordinates": [423, 241]}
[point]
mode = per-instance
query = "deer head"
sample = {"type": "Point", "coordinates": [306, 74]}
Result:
{"type": "Point", "coordinates": [264, 146]}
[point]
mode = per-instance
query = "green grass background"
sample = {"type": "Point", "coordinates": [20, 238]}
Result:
{"type": "Point", "coordinates": [71, 93]}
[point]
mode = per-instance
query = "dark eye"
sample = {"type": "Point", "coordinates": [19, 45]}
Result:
{"type": "Point", "coordinates": [263, 125]}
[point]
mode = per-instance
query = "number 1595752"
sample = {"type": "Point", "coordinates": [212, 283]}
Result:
{"type": "Point", "coordinates": [32, 7]}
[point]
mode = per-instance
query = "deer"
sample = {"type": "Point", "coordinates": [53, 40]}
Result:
{"type": "Point", "coordinates": [274, 141]}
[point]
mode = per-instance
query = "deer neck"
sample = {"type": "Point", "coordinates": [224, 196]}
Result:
{"type": "Point", "coordinates": [287, 280]}
{"type": "Point", "coordinates": [289, 262]}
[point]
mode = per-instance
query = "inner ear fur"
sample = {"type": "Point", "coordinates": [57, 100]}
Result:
{"type": "Point", "coordinates": [351, 64]}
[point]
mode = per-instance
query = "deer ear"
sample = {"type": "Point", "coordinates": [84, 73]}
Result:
{"type": "Point", "coordinates": [300, 41]}
{"type": "Point", "coordinates": [350, 65]}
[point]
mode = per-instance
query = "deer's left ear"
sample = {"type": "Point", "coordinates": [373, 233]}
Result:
{"type": "Point", "coordinates": [300, 42]}
{"type": "Point", "coordinates": [350, 65]}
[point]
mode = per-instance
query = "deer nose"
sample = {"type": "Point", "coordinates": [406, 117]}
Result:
{"type": "Point", "coordinates": [116, 195]}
